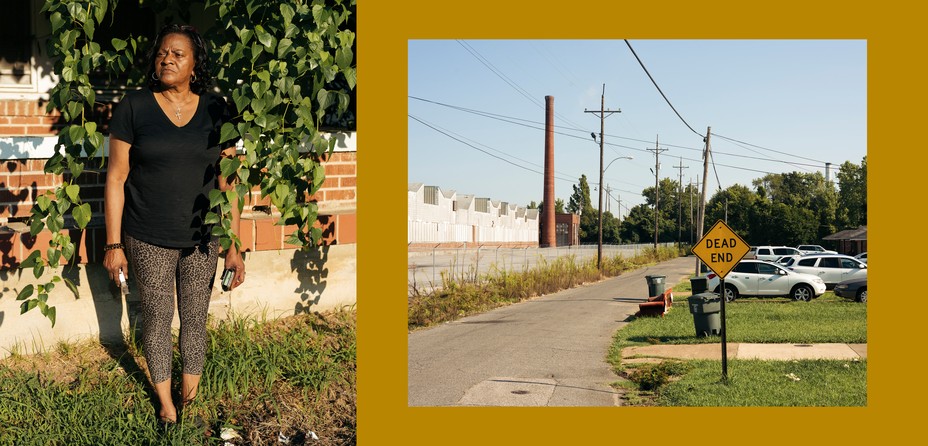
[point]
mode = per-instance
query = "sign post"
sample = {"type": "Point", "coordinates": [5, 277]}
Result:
{"type": "Point", "coordinates": [721, 249]}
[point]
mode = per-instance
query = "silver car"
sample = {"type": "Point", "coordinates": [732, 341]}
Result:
{"type": "Point", "coordinates": [761, 278]}
{"type": "Point", "coordinates": [832, 268]}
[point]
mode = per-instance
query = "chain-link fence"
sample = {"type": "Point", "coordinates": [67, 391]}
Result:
{"type": "Point", "coordinates": [426, 267]}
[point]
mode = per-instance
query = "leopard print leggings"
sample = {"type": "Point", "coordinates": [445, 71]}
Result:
{"type": "Point", "coordinates": [157, 272]}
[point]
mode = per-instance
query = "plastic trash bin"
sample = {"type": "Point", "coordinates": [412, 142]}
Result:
{"type": "Point", "coordinates": [656, 285]}
{"type": "Point", "coordinates": [706, 308]}
{"type": "Point", "coordinates": [699, 284]}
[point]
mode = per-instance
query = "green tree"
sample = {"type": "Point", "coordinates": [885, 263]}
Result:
{"type": "Point", "coordinates": [638, 226]}
{"type": "Point", "coordinates": [558, 205]}
{"type": "Point", "coordinates": [852, 194]}
{"type": "Point", "coordinates": [741, 204]}
{"type": "Point", "coordinates": [667, 209]}
{"type": "Point", "coordinates": [611, 229]}
{"type": "Point", "coordinates": [801, 208]}
{"type": "Point", "coordinates": [579, 201]}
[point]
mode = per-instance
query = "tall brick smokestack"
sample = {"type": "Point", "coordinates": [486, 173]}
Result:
{"type": "Point", "coordinates": [548, 237]}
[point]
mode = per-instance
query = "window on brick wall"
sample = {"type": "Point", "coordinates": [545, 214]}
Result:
{"type": "Point", "coordinates": [16, 45]}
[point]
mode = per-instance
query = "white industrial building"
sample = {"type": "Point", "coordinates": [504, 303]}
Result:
{"type": "Point", "coordinates": [439, 218]}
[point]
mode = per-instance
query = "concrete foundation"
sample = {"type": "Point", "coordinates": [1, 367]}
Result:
{"type": "Point", "coordinates": [279, 283]}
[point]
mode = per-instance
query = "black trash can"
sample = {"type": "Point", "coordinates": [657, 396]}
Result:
{"type": "Point", "coordinates": [699, 284]}
{"type": "Point", "coordinates": [656, 285]}
{"type": "Point", "coordinates": [706, 309]}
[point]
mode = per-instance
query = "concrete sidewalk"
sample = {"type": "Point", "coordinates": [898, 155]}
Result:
{"type": "Point", "coordinates": [782, 352]}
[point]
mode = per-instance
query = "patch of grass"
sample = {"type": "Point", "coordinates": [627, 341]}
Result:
{"type": "Point", "coordinates": [470, 293]}
{"type": "Point", "coordinates": [769, 383]}
{"type": "Point", "coordinates": [684, 286]}
{"type": "Point", "coordinates": [263, 378]}
{"type": "Point", "coordinates": [751, 382]}
{"type": "Point", "coordinates": [780, 320]}
{"type": "Point", "coordinates": [653, 376]}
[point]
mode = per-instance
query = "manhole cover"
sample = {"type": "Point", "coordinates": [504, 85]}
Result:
{"type": "Point", "coordinates": [803, 345]}
{"type": "Point", "coordinates": [520, 392]}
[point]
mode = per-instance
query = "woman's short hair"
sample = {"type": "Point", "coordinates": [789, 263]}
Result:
{"type": "Point", "coordinates": [201, 69]}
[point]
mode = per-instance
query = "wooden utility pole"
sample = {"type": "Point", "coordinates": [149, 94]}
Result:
{"type": "Point", "coordinates": [657, 191]}
{"type": "Point", "coordinates": [702, 196]}
{"type": "Point", "coordinates": [680, 204]}
{"type": "Point", "coordinates": [602, 113]}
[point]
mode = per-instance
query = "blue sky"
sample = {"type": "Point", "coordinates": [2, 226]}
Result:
{"type": "Point", "coordinates": [792, 104]}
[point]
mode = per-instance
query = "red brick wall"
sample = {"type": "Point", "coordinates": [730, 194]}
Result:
{"type": "Point", "coordinates": [22, 118]}
{"type": "Point", "coordinates": [21, 181]}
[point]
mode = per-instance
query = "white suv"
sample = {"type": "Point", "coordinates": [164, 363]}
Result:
{"type": "Point", "coordinates": [771, 253]}
{"type": "Point", "coordinates": [814, 249]}
{"type": "Point", "coordinates": [761, 278]}
{"type": "Point", "coordinates": [832, 268]}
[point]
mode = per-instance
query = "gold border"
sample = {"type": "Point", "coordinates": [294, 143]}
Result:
{"type": "Point", "coordinates": [895, 92]}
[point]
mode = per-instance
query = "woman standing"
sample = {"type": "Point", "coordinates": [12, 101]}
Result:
{"type": "Point", "coordinates": [163, 162]}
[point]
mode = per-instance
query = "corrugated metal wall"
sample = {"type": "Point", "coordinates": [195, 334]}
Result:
{"type": "Point", "coordinates": [446, 222]}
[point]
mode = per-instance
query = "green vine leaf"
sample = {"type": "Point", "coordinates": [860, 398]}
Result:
{"type": "Point", "coordinates": [34, 258]}
{"type": "Point", "coordinates": [26, 292]}
{"type": "Point", "coordinates": [27, 305]}
{"type": "Point", "coordinates": [73, 192]}
{"type": "Point", "coordinates": [82, 215]}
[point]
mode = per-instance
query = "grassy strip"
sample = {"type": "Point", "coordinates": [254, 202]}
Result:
{"type": "Point", "coordinates": [751, 382]}
{"type": "Point", "coordinates": [468, 294]}
{"type": "Point", "coordinates": [285, 377]}
{"type": "Point", "coordinates": [768, 383]}
{"type": "Point", "coordinates": [780, 320]}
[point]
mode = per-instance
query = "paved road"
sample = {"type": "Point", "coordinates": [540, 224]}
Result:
{"type": "Point", "coordinates": [549, 351]}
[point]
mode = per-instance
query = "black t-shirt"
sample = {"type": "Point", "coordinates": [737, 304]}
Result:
{"type": "Point", "coordinates": [171, 169]}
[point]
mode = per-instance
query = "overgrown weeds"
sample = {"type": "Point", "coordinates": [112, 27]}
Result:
{"type": "Point", "coordinates": [470, 293]}
{"type": "Point", "coordinates": [288, 378]}
{"type": "Point", "coordinates": [650, 377]}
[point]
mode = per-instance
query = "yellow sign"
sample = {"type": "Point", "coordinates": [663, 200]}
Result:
{"type": "Point", "coordinates": [721, 249]}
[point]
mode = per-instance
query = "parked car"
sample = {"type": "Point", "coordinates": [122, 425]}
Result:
{"type": "Point", "coordinates": [787, 260]}
{"type": "Point", "coordinates": [832, 268]}
{"type": "Point", "coordinates": [853, 289]}
{"type": "Point", "coordinates": [771, 253]}
{"type": "Point", "coordinates": [862, 257]}
{"type": "Point", "coordinates": [762, 278]}
{"type": "Point", "coordinates": [814, 249]}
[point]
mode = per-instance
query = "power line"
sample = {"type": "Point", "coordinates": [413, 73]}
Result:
{"type": "Point", "coordinates": [644, 150]}
{"type": "Point", "coordinates": [499, 73]}
{"type": "Point", "coordinates": [794, 164]}
{"type": "Point", "coordinates": [659, 88]}
{"type": "Point", "coordinates": [461, 139]}
{"type": "Point", "coordinates": [458, 139]}
{"type": "Point", "coordinates": [772, 150]}
{"type": "Point", "coordinates": [525, 123]}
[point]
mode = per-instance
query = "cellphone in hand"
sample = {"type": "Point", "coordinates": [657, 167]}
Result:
{"type": "Point", "coordinates": [123, 286]}
{"type": "Point", "coordinates": [226, 279]}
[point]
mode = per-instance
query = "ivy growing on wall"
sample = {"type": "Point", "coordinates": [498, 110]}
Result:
{"type": "Point", "coordinates": [288, 68]}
